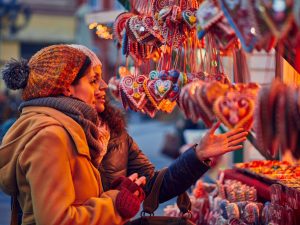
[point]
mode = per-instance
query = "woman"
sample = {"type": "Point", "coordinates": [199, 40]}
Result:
{"type": "Point", "coordinates": [124, 157]}
{"type": "Point", "coordinates": [49, 157]}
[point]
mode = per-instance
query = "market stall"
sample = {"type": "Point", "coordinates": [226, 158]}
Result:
{"type": "Point", "coordinates": [176, 49]}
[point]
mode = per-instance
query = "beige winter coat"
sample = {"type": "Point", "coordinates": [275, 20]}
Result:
{"type": "Point", "coordinates": [45, 160]}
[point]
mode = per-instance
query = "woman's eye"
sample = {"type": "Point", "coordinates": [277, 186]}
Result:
{"type": "Point", "coordinates": [94, 81]}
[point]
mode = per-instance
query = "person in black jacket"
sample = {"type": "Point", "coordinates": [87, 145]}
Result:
{"type": "Point", "coordinates": [121, 156]}
{"type": "Point", "coordinates": [124, 157]}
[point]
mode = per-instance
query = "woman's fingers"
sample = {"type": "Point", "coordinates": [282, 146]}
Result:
{"type": "Point", "coordinates": [214, 127]}
{"type": "Point", "coordinates": [234, 132]}
{"type": "Point", "coordinates": [234, 148]}
{"type": "Point", "coordinates": [141, 181]}
{"type": "Point", "coordinates": [237, 141]}
{"type": "Point", "coordinates": [133, 176]}
{"type": "Point", "coordinates": [237, 136]}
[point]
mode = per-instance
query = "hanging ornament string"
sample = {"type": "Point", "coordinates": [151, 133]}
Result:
{"type": "Point", "coordinates": [194, 53]}
{"type": "Point", "coordinates": [185, 57]}
{"type": "Point", "coordinates": [177, 57]}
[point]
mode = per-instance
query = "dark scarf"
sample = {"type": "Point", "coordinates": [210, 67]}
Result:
{"type": "Point", "coordinates": [83, 114]}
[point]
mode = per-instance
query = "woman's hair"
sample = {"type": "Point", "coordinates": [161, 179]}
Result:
{"type": "Point", "coordinates": [114, 118]}
{"type": "Point", "coordinates": [82, 70]}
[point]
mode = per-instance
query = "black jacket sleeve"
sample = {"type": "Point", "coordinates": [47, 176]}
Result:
{"type": "Point", "coordinates": [138, 162]}
{"type": "Point", "coordinates": [181, 174]}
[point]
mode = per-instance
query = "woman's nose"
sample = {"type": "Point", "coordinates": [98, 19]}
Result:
{"type": "Point", "coordinates": [102, 85]}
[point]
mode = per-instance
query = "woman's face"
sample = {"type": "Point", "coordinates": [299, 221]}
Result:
{"type": "Point", "coordinates": [100, 92]}
{"type": "Point", "coordinates": [86, 87]}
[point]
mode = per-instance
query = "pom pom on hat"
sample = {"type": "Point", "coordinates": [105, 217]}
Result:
{"type": "Point", "coordinates": [15, 74]}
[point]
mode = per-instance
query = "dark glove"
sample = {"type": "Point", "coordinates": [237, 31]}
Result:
{"type": "Point", "coordinates": [127, 203]}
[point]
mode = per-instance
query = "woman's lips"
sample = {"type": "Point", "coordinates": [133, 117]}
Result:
{"type": "Point", "coordinates": [101, 99]}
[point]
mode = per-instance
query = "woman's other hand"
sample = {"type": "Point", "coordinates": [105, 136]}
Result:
{"type": "Point", "coordinates": [212, 145]}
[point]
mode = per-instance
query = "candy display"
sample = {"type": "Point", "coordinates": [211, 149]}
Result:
{"type": "Point", "coordinates": [276, 171]}
{"type": "Point", "coordinates": [177, 49]}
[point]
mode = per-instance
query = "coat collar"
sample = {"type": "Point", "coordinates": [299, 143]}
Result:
{"type": "Point", "coordinates": [72, 127]}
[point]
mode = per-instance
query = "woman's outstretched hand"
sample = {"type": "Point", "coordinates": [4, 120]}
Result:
{"type": "Point", "coordinates": [212, 145]}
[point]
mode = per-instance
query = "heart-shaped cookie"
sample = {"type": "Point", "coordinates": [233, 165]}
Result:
{"type": "Point", "coordinates": [119, 25]}
{"type": "Point", "coordinates": [235, 110]}
{"type": "Point", "coordinates": [150, 109]}
{"type": "Point", "coordinates": [208, 14]}
{"type": "Point", "coordinates": [150, 25]}
{"type": "Point", "coordinates": [137, 31]}
{"type": "Point", "coordinates": [132, 86]}
{"type": "Point", "coordinates": [157, 90]}
{"type": "Point", "coordinates": [189, 17]}
{"type": "Point", "coordinates": [240, 16]}
{"type": "Point", "coordinates": [223, 34]}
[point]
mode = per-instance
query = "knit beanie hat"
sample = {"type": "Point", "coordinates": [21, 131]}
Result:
{"type": "Point", "coordinates": [94, 58]}
{"type": "Point", "coordinates": [48, 73]}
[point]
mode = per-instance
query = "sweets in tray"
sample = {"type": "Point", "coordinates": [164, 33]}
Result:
{"type": "Point", "coordinates": [278, 171]}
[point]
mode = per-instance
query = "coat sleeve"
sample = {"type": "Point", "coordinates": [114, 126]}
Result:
{"type": "Point", "coordinates": [138, 162]}
{"type": "Point", "coordinates": [181, 174]}
{"type": "Point", "coordinates": [45, 163]}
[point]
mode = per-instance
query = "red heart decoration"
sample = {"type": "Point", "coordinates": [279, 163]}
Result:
{"type": "Point", "coordinates": [150, 109]}
{"type": "Point", "coordinates": [235, 110]}
{"type": "Point", "coordinates": [156, 90]}
{"type": "Point", "coordinates": [189, 17]}
{"type": "Point", "coordinates": [240, 15]}
{"type": "Point", "coordinates": [136, 30]}
{"type": "Point", "coordinates": [208, 14]}
{"type": "Point", "coordinates": [132, 86]}
{"type": "Point", "coordinates": [150, 25]}
{"type": "Point", "coordinates": [119, 25]}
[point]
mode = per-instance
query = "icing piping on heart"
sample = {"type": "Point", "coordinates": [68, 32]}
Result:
{"type": "Point", "coordinates": [156, 90]}
{"type": "Point", "coordinates": [235, 110]}
{"type": "Point", "coordinates": [133, 88]}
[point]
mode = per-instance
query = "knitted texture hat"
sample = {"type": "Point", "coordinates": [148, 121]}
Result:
{"type": "Point", "coordinates": [48, 73]}
{"type": "Point", "coordinates": [93, 57]}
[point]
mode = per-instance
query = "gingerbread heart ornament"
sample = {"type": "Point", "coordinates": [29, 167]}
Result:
{"type": "Point", "coordinates": [149, 24]}
{"type": "Point", "coordinates": [208, 14]}
{"type": "Point", "coordinates": [224, 34]}
{"type": "Point", "coordinates": [150, 109]}
{"type": "Point", "coordinates": [132, 86]}
{"type": "Point", "coordinates": [240, 16]}
{"type": "Point", "coordinates": [157, 90]}
{"type": "Point", "coordinates": [235, 110]}
{"type": "Point", "coordinates": [189, 17]}
{"type": "Point", "coordinates": [137, 31]}
{"type": "Point", "coordinates": [119, 25]}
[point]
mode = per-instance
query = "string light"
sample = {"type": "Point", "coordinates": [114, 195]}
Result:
{"type": "Point", "coordinates": [101, 30]}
